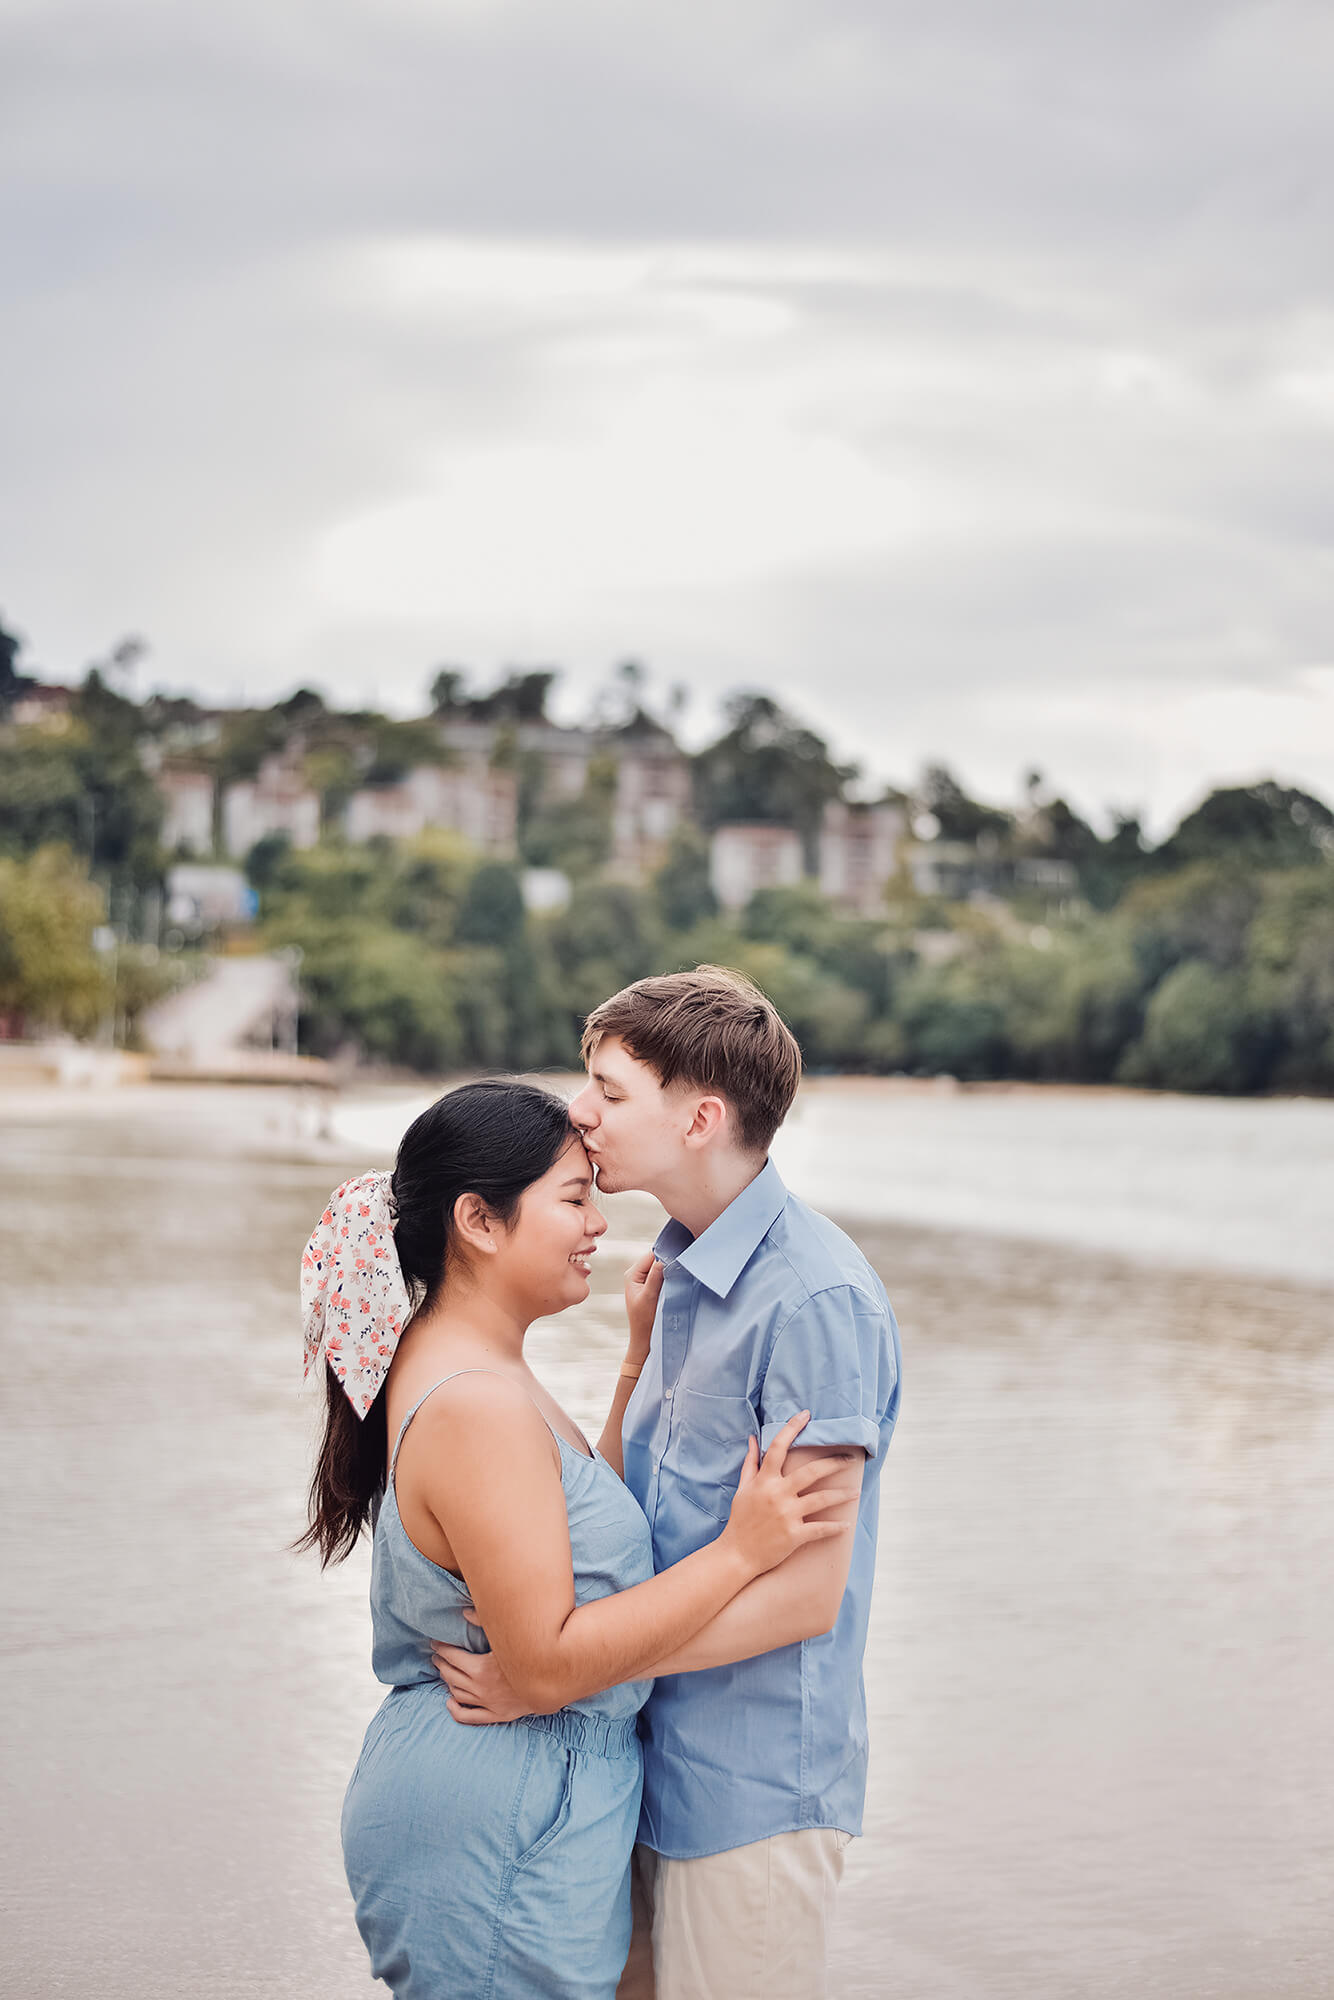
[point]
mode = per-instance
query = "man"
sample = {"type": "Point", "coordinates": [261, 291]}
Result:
{"type": "Point", "coordinates": [755, 1734]}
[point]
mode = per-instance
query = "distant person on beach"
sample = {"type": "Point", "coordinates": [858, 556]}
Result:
{"type": "Point", "coordinates": [754, 1733]}
{"type": "Point", "coordinates": [495, 1864]}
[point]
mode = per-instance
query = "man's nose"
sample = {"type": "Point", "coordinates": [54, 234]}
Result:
{"type": "Point", "coordinates": [581, 1113]}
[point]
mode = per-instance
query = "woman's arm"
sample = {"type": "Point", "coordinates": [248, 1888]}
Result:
{"type": "Point", "coordinates": [798, 1600]}
{"type": "Point", "coordinates": [491, 1482]}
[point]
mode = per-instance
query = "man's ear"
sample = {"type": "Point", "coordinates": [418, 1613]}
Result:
{"type": "Point", "coordinates": [709, 1120]}
{"type": "Point", "coordinates": [475, 1225]}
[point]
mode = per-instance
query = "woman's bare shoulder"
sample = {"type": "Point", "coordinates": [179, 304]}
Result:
{"type": "Point", "coordinates": [479, 1408]}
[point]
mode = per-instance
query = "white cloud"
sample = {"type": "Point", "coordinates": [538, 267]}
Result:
{"type": "Point", "coordinates": [968, 379]}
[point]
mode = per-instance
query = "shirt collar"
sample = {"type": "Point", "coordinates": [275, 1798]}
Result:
{"type": "Point", "coordinates": [719, 1255]}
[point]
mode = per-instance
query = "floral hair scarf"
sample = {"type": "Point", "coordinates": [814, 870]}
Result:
{"type": "Point", "coordinates": [354, 1301]}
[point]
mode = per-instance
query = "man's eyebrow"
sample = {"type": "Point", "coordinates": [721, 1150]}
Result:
{"type": "Point", "coordinates": [601, 1076]}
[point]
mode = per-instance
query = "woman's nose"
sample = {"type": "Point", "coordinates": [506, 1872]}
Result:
{"type": "Point", "coordinates": [597, 1222]}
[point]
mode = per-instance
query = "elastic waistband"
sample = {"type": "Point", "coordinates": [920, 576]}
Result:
{"type": "Point", "coordinates": [600, 1735]}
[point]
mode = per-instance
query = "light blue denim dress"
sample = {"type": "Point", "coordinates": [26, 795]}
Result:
{"type": "Point", "coordinates": [493, 1863]}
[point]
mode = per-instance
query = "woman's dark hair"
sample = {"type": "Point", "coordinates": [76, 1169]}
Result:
{"type": "Point", "coordinates": [491, 1139]}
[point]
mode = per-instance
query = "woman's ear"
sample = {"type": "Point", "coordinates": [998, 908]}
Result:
{"type": "Point", "coordinates": [475, 1225]}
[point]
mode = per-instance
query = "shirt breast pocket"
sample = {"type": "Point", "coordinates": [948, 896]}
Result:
{"type": "Point", "coordinates": [714, 1434]}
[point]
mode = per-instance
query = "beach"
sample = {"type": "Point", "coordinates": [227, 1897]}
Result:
{"type": "Point", "coordinates": [1102, 1637]}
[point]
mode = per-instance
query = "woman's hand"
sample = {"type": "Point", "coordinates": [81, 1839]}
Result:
{"type": "Point", "coordinates": [478, 1690]}
{"type": "Point", "coordinates": [643, 1283]}
{"type": "Point", "coordinates": [773, 1512]}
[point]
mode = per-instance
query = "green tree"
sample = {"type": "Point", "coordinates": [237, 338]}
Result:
{"type": "Point", "coordinates": [42, 798]}
{"type": "Point", "coordinates": [428, 884]}
{"type": "Point", "coordinates": [1072, 1005]}
{"type": "Point", "coordinates": [1199, 1034]}
{"type": "Point", "coordinates": [958, 816]}
{"type": "Point", "coordinates": [683, 886]}
{"type": "Point", "coordinates": [49, 973]}
{"type": "Point", "coordinates": [1258, 826]}
{"type": "Point", "coordinates": [520, 697]}
{"type": "Point", "coordinates": [1292, 961]}
{"type": "Point", "coordinates": [574, 834]}
{"type": "Point", "coordinates": [1202, 912]}
{"type": "Point", "coordinates": [607, 937]}
{"type": "Point", "coordinates": [769, 768]}
{"type": "Point", "coordinates": [264, 863]}
{"type": "Point", "coordinates": [448, 690]}
{"type": "Point", "coordinates": [12, 682]}
{"type": "Point", "coordinates": [378, 988]}
{"type": "Point", "coordinates": [400, 747]}
{"type": "Point", "coordinates": [492, 911]}
{"type": "Point", "coordinates": [950, 1022]}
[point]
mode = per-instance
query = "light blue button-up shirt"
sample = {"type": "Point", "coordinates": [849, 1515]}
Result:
{"type": "Point", "coordinates": [770, 1311]}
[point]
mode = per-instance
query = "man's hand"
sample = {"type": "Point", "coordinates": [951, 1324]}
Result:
{"type": "Point", "coordinates": [643, 1284]}
{"type": "Point", "coordinates": [478, 1690]}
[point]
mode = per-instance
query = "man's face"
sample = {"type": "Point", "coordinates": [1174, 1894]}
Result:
{"type": "Point", "coordinates": [633, 1129]}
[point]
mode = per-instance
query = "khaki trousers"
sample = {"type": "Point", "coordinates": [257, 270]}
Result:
{"type": "Point", "coordinates": [751, 1924]}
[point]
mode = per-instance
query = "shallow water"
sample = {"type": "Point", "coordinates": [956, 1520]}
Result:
{"type": "Point", "coordinates": [1103, 1636]}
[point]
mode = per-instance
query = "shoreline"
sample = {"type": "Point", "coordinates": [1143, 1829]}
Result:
{"type": "Point", "coordinates": [145, 1075]}
{"type": "Point", "coordinates": [935, 1182]}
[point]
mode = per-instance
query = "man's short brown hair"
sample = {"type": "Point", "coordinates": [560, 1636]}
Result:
{"type": "Point", "coordinates": [714, 1030]}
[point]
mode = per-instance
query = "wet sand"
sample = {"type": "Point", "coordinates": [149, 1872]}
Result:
{"type": "Point", "coordinates": [1102, 1643]}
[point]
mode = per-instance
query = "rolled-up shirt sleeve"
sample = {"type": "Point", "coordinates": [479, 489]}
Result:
{"type": "Point", "coordinates": [834, 1357]}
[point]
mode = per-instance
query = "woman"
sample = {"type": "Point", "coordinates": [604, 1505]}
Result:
{"type": "Point", "coordinates": [492, 1863]}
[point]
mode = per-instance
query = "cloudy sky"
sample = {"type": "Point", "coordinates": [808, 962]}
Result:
{"type": "Point", "coordinates": [964, 373]}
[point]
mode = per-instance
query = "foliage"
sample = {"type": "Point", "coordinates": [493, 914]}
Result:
{"type": "Point", "coordinates": [49, 973]}
{"type": "Point", "coordinates": [1292, 956]}
{"type": "Point", "coordinates": [958, 816]}
{"type": "Point", "coordinates": [12, 682]}
{"type": "Point", "coordinates": [1204, 911]}
{"type": "Point", "coordinates": [1206, 963]}
{"type": "Point", "coordinates": [572, 834]}
{"type": "Point", "coordinates": [86, 789]}
{"type": "Point", "coordinates": [1198, 1033]}
{"type": "Point", "coordinates": [766, 767]}
{"type": "Point", "coordinates": [683, 885]}
{"type": "Point", "coordinates": [400, 747]}
{"type": "Point", "coordinates": [950, 1024]}
{"type": "Point", "coordinates": [492, 911]}
{"type": "Point", "coordinates": [1258, 826]}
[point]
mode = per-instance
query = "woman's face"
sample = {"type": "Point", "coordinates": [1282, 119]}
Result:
{"type": "Point", "coordinates": [555, 1234]}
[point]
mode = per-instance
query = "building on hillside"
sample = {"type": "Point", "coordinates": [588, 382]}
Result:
{"type": "Point", "coordinates": [745, 857]}
{"type": "Point", "coordinates": [42, 705]}
{"type": "Point", "coordinates": [276, 800]}
{"type": "Point", "coordinates": [565, 753]}
{"type": "Point", "coordinates": [652, 794]}
{"type": "Point", "coordinates": [950, 869]}
{"type": "Point", "coordinates": [859, 852]}
{"type": "Point", "coordinates": [187, 816]}
{"type": "Point", "coordinates": [1055, 880]}
{"type": "Point", "coordinates": [652, 799]}
{"type": "Point", "coordinates": [1053, 877]}
{"type": "Point", "coordinates": [470, 798]}
{"type": "Point", "coordinates": [202, 898]}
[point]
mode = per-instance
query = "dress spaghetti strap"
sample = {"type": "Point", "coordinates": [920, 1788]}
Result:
{"type": "Point", "coordinates": [452, 1376]}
